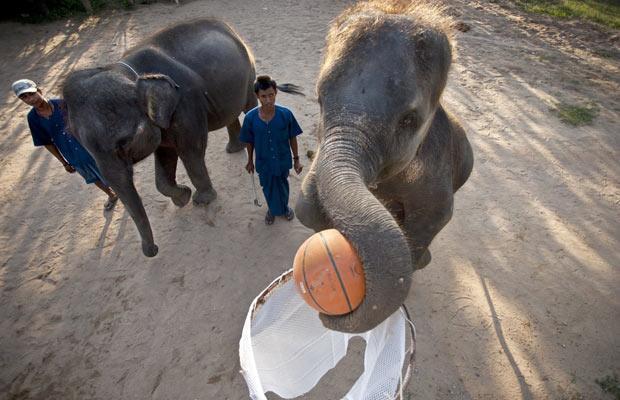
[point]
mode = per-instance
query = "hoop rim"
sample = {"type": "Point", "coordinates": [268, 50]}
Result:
{"type": "Point", "coordinates": [406, 377]}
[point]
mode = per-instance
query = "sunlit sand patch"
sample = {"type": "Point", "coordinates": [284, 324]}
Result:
{"type": "Point", "coordinates": [480, 307]}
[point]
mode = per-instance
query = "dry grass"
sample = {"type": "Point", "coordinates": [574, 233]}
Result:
{"type": "Point", "coordinates": [604, 12]}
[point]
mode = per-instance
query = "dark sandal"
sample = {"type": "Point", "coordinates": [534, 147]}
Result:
{"type": "Point", "coordinates": [269, 218]}
{"type": "Point", "coordinates": [290, 214]}
{"type": "Point", "coordinates": [109, 205]}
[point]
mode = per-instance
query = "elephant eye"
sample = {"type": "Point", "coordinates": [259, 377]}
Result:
{"type": "Point", "coordinates": [409, 120]}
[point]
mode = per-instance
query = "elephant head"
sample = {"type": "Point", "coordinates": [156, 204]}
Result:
{"type": "Point", "coordinates": [120, 122]}
{"type": "Point", "coordinates": [378, 91]}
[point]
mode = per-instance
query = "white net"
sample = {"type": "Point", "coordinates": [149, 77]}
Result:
{"type": "Point", "coordinates": [285, 349]}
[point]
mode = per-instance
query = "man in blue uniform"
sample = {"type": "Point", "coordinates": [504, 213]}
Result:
{"type": "Point", "coordinates": [271, 130]}
{"type": "Point", "coordinates": [47, 127]}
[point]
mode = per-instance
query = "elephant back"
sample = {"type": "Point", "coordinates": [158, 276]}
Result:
{"type": "Point", "coordinates": [208, 46]}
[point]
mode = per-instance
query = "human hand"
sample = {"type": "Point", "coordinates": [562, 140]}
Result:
{"type": "Point", "coordinates": [298, 167]}
{"type": "Point", "coordinates": [69, 168]}
{"type": "Point", "coordinates": [249, 167]}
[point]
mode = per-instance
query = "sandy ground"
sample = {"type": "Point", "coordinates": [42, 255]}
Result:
{"type": "Point", "coordinates": [521, 301]}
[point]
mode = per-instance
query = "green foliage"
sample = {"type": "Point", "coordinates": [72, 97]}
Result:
{"type": "Point", "coordinates": [610, 385]}
{"type": "Point", "coordinates": [605, 12]}
{"type": "Point", "coordinates": [576, 115]}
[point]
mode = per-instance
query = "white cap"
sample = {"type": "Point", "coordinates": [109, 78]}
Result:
{"type": "Point", "coordinates": [23, 86]}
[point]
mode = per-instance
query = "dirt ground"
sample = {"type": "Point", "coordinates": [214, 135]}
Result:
{"type": "Point", "coordinates": [521, 300]}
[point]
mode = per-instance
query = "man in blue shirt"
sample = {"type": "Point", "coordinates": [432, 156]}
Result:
{"type": "Point", "coordinates": [271, 130]}
{"type": "Point", "coordinates": [47, 127]}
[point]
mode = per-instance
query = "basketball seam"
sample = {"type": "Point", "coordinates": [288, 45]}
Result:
{"type": "Point", "coordinates": [331, 258]}
{"type": "Point", "coordinates": [303, 271]}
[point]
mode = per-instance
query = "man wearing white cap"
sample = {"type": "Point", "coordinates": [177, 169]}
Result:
{"type": "Point", "coordinates": [47, 127]}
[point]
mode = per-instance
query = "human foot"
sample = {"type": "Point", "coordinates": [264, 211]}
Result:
{"type": "Point", "coordinates": [290, 214]}
{"type": "Point", "coordinates": [110, 203]}
{"type": "Point", "coordinates": [269, 218]}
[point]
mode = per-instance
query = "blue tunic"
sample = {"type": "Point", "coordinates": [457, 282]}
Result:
{"type": "Point", "coordinates": [51, 130]}
{"type": "Point", "coordinates": [273, 153]}
{"type": "Point", "coordinates": [271, 139]}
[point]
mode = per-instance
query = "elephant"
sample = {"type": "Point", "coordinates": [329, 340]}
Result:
{"type": "Point", "coordinates": [389, 157]}
{"type": "Point", "coordinates": [163, 96]}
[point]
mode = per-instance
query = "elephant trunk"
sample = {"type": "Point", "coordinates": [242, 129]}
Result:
{"type": "Point", "coordinates": [119, 175]}
{"type": "Point", "coordinates": [344, 168]}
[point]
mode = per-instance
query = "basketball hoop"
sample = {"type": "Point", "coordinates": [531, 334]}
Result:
{"type": "Point", "coordinates": [285, 349]}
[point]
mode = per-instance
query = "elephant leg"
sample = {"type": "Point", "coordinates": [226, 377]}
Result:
{"type": "Point", "coordinates": [193, 158]}
{"type": "Point", "coordinates": [234, 144]}
{"type": "Point", "coordinates": [165, 176]}
{"type": "Point", "coordinates": [421, 224]}
{"type": "Point", "coordinates": [119, 175]}
{"type": "Point", "coordinates": [252, 101]}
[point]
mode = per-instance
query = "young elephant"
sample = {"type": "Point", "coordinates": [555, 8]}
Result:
{"type": "Point", "coordinates": [390, 157]}
{"type": "Point", "coordinates": [163, 97]}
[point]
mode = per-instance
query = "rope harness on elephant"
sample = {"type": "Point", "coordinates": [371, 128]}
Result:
{"type": "Point", "coordinates": [212, 105]}
{"type": "Point", "coordinates": [130, 67]}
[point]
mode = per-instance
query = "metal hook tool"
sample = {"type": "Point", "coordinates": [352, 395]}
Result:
{"type": "Point", "coordinates": [256, 202]}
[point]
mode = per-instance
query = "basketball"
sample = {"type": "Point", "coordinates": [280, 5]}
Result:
{"type": "Point", "coordinates": [328, 273]}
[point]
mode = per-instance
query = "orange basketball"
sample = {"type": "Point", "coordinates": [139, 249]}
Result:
{"type": "Point", "coordinates": [329, 274]}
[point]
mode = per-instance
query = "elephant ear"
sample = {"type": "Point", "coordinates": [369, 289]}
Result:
{"type": "Point", "coordinates": [158, 96]}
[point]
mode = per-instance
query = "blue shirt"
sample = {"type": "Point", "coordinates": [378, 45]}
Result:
{"type": "Point", "coordinates": [51, 130]}
{"type": "Point", "coordinates": [271, 139]}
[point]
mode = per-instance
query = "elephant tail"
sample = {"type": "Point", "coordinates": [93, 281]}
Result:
{"type": "Point", "coordinates": [291, 88]}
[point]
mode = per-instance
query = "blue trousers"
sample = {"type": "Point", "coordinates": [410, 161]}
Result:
{"type": "Point", "coordinates": [276, 191]}
{"type": "Point", "coordinates": [90, 173]}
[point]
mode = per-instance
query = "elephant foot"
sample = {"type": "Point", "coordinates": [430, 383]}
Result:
{"type": "Point", "coordinates": [235, 146]}
{"type": "Point", "coordinates": [204, 197]}
{"type": "Point", "coordinates": [182, 197]}
{"type": "Point", "coordinates": [422, 260]}
{"type": "Point", "coordinates": [149, 249]}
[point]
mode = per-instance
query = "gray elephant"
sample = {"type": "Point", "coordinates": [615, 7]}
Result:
{"type": "Point", "coordinates": [163, 97]}
{"type": "Point", "coordinates": [390, 158]}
